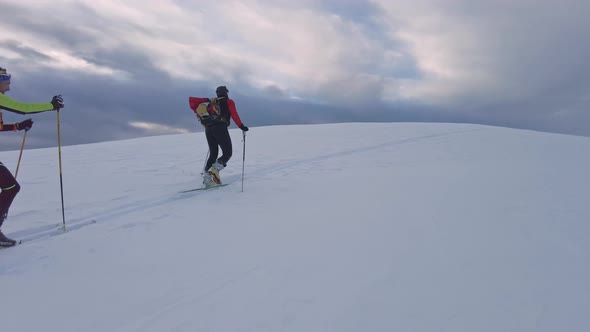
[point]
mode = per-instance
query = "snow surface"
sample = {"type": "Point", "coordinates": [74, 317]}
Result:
{"type": "Point", "coordinates": [343, 227]}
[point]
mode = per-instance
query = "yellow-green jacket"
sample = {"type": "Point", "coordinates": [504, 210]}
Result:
{"type": "Point", "coordinates": [11, 105]}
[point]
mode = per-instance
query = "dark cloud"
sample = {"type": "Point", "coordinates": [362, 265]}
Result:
{"type": "Point", "coordinates": [100, 109]}
{"type": "Point", "coordinates": [51, 28]}
{"type": "Point", "coordinates": [535, 62]}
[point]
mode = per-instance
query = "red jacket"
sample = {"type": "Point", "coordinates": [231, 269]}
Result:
{"type": "Point", "coordinates": [194, 102]}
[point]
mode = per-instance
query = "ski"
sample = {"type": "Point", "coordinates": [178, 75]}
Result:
{"type": "Point", "coordinates": [202, 188]}
{"type": "Point", "coordinates": [57, 230]}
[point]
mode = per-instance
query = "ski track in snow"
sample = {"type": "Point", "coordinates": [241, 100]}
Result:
{"type": "Point", "coordinates": [169, 196]}
{"type": "Point", "coordinates": [186, 301]}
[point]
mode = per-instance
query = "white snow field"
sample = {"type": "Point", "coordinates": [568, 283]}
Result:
{"type": "Point", "coordinates": [373, 227]}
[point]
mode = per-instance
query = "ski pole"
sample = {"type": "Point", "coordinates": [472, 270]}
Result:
{"type": "Point", "coordinates": [243, 157]}
{"type": "Point", "coordinates": [61, 184]}
{"type": "Point", "coordinates": [205, 164]}
{"type": "Point", "coordinates": [21, 153]}
{"type": "Point", "coordinates": [206, 158]}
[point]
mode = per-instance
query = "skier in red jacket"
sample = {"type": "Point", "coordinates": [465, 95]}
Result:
{"type": "Point", "coordinates": [216, 123]}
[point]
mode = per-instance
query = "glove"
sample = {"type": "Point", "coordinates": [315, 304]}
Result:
{"type": "Point", "coordinates": [57, 102]}
{"type": "Point", "coordinates": [25, 125]}
{"type": "Point", "coordinates": [244, 128]}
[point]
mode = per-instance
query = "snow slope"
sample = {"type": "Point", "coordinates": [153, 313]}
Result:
{"type": "Point", "coordinates": [344, 227]}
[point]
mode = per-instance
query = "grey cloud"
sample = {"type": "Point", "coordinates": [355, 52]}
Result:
{"type": "Point", "coordinates": [357, 11]}
{"type": "Point", "coordinates": [541, 58]}
{"type": "Point", "coordinates": [26, 52]}
{"type": "Point", "coordinates": [273, 90]}
{"type": "Point", "coordinates": [126, 59]}
{"type": "Point", "coordinates": [533, 55]}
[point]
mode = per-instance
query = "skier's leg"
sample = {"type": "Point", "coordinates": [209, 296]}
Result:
{"type": "Point", "coordinates": [9, 188]}
{"type": "Point", "coordinates": [213, 147]}
{"type": "Point", "coordinates": [221, 135]}
{"type": "Point", "coordinates": [224, 140]}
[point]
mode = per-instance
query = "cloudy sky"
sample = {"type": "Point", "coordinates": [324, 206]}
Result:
{"type": "Point", "coordinates": [126, 68]}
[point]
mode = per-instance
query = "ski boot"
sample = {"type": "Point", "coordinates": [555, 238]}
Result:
{"type": "Point", "coordinates": [6, 241]}
{"type": "Point", "coordinates": [207, 180]}
{"type": "Point", "coordinates": [214, 172]}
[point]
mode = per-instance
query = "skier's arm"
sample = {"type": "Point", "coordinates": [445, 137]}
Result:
{"type": "Point", "coordinates": [194, 102]}
{"type": "Point", "coordinates": [8, 127]}
{"type": "Point", "coordinates": [11, 105]}
{"type": "Point", "coordinates": [27, 124]}
{"type": "Point", "coordinates": [234, 113]}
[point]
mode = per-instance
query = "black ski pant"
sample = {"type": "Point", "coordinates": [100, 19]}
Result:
{"type": "Point", "coordinates": [218, 136]}
{"type": "Point", "coordinates": [9, 188]}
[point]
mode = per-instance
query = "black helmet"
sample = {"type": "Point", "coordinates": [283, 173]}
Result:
{"type": "Point", "coordinates": [221, 91]}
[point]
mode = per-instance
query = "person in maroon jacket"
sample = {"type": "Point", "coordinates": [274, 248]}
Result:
{"type": "Point", "coordinates": [217, 133]}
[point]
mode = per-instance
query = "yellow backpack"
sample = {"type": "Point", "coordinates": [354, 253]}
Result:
{"type": "Point", "coordinates": [210, 113]}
